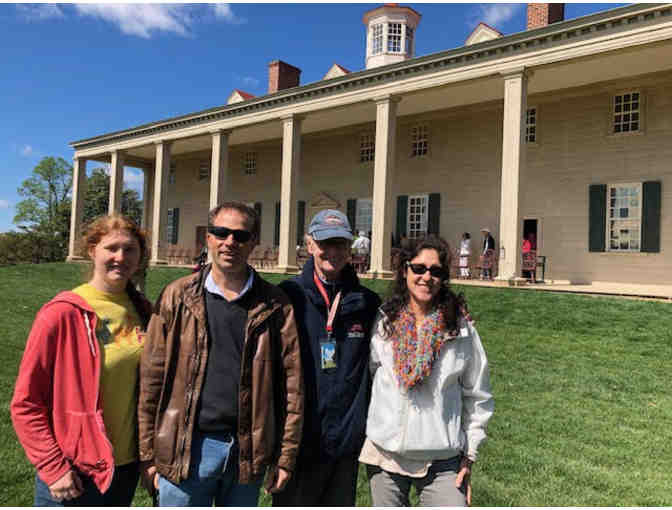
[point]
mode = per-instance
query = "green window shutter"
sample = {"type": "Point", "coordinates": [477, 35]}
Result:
{"type": "Point", "coordinates": [352, 213]}
{"type": "Point", "coordinates": [651, 217]}
{"type": "Point", "coordinates": [402, 216]}
{"type": "Point", "coordinates": [597, 221]}
{"type": "Point", "coordinates": [172, 225]}
{"type": "Point", "coordinates": [276, 229]}
{"type": "Point", "coordinates": [300, 222]}
{"type": "Point", "coordinates": [433, 213]}
{"type": "Point", "coordinates": [257, 208]}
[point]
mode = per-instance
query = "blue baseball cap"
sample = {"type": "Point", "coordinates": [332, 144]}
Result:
{"type": "Point", "coordinates": [328, 224]}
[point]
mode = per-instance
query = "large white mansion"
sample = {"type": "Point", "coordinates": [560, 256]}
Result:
{"type": "Point", "coordinates": [564, 129]}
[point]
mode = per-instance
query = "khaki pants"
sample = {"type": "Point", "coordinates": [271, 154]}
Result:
{"type": "Point", "coordinates": [437, 488]}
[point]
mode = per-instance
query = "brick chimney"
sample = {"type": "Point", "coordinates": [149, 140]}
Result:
{"type": "Point", "coordinates": [281, 76]}
{"type": "Point", "coordinates": [540, 15]}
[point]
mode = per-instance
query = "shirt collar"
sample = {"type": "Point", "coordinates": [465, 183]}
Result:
{"type": "Point", "coordinates": [212, 287]}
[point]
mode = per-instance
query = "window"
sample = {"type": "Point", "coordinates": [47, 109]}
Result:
{"type": "Point", "coordinates": [409, 41]}
{"type": "Point", "coordinates": [204, 170]}
{"type": "Point", "coordinates": [250, 163]}
{"type": "Point", "coordinates": [531, 125]}
{"type": "Point", "coordinates": [419, 141]}
{"type": "Point", "coordinates": [172, 173]}
{"type": "Point", "coordinates": [624, 215]}
{"type": "Point", "coordinates": [367, 147]}
{"type": "Point", "coordinates": [172, 225]}
{"type": "Point", "coordinates": [394, 37]}
{"type": "Point", "coordinates": [377, 39]}
{"type": "Point", "coordinates": [626, 112]}
{"type": "Point", "coordinates": [364, 215]}
{"type": "Point", "coordinates": [417, 216]}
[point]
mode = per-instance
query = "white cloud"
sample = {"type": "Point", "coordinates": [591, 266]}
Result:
{"type": "Point", "coordinates": [223, 11]}
{"type": "Point", "coordinates": [40, 12]}
{"type": "Point", "coordinates": [4, 204]}
{"type": "Point", "coordinates": [26, 150]}
{"type": "Point", "coordinates": [494, 14]}
{"type": "Point", "coordinates": [142, 19]}
{"type": "Point", "coordinates": [248, 81]}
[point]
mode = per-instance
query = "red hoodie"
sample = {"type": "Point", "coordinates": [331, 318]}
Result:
{"type": "Point", "coordinates": [56, 408]}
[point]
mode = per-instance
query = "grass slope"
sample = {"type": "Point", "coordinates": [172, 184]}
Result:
{"type": "Point", "coordinates": [583, 409]}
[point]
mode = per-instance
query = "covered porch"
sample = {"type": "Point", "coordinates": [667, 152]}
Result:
{"type": "Point", "coordinates": [301, 139]}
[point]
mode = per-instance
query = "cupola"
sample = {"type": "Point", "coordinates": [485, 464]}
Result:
{"type": "Point", "coordinates": [390, 34]}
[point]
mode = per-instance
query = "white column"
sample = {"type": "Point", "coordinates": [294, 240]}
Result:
{"type": "Point", "coordinates": [291, 166]}
{"type": "Point", "coordinates": [77, 212]}
{"type": "Point", "coordinates": [159, 210]}
{"type": "Point", "coordinates": [513, 164]}
{"type": "Point", "coordinates": [383, 174]}
{"type": "Point", "coordinates": [147, 195]}
{"type": "Point", "coordinates": [116, 182]}
{"type": "Point", "coordinates": [219, 169]}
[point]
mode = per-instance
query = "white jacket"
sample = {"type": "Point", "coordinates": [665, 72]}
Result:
{"type": "Point", "coordinates": [445, 414]}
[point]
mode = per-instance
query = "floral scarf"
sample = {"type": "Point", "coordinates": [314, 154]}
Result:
{"type": "Point", "coordinates": [415, 349]}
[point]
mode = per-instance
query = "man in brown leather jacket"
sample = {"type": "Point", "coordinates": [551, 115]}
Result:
{"type": "Point", "coordinates": [221, 391]}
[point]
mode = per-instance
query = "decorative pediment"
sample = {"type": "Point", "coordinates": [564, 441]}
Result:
{"type": "Point", "coordinates": [238, 96]}
{"type": "Point", "coordinates": [335, 71]}
{"type": "Point", "coordinates": [322, 200]}
{"type": "Point", "coordinates": [482, 33]}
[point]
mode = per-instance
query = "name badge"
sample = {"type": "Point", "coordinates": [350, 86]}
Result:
{"type": "Point", "coordinates": [328, 354]}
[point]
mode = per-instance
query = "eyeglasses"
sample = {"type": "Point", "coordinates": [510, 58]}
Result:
{"type": "Point", "coordinates": [435, 271]}
{"type": "Point", "coordinates": [240, 236]}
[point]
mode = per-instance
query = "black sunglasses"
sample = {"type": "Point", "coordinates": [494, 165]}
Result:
{"type": "Point", "coordinates": [240, 236]}
{"type": "Point", "coordinates": [436, 272]}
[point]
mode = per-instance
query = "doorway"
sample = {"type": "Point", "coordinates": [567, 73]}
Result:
{"type": "Point", "coordinates": [530, 250]}
{"type": "Point", "coordinates": [531, 226]}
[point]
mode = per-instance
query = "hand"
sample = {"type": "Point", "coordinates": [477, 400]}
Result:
{"type": "Point", "coordinates": [464, 477]}
{"type": "Point", "coordinates": [68, 487]}
{"type": "Point", "coordinates": [149, 477]}
{"type": "Point", "coordinates": [277, 480]}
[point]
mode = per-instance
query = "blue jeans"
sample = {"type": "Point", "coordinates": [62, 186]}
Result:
{"type": "Point", "coordinates": [213, 476]}
{"type": "Point", "coordinates": [120, 493]}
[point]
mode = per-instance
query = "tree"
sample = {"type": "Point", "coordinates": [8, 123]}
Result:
{"type": "Point", "coordinates": [96, 200]}
{"type": "Point", "coordinates": [45, 212]}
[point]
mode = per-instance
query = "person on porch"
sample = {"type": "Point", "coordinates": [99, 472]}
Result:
{"type": "Point", "coordinates": [488, 246]}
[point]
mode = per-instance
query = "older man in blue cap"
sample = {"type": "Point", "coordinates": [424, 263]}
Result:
{"type": "Point", "coordinates": [334, 315]}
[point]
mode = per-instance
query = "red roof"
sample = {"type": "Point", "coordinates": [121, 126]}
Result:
{"type": "Point", "coordinates": [244, 95]}
{"type": "Point", "coordinates": [342, 68]}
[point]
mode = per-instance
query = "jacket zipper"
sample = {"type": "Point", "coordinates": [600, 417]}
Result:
{"type": "Point", "coordinates": [404, 420]}
{"type": "Point", "coordinates": [196, 357]}
{"type": "Point", "coordinates": [99, 367]}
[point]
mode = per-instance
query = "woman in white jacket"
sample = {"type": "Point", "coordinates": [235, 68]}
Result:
{"type": "Point", "coordinates": [431, 396]}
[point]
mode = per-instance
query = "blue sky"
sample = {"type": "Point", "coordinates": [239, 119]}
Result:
{"type": "Point", "coordinates": [69, 72]}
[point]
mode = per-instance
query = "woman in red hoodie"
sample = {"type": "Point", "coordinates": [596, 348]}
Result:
{"type": "Point", "coordinates": [75, 400]}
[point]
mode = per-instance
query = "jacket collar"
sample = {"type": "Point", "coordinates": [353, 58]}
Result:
{"type": "Point", "coordinates": [347, 283]}
{"type": "Point", "coordinates": [264, 303]}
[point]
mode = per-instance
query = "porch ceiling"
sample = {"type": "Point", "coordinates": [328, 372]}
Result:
{"type": "Point", "coordinates": [604, 67]}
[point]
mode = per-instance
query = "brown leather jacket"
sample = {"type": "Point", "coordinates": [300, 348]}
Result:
{"type": "Point", "coordinates": [172, 370]}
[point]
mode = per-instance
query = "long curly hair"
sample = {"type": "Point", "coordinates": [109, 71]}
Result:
{"type": "Point", "coordinates": [398, 295]}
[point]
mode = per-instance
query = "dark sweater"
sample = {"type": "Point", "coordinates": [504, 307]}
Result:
{"type": "Point", "coordinates": [226, 331]}
{"type": "Point", "coordinates": [337, 398]}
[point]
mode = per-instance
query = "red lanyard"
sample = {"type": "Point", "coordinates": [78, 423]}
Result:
{"type": "Point", "coordinates": [331, 308]}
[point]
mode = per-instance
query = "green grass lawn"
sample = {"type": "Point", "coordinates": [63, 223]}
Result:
{"type": "Point", "coordinates": [583, 407]}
